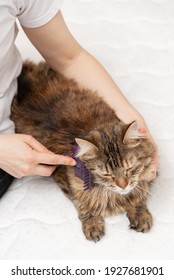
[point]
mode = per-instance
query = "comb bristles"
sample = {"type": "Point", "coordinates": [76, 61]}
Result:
{"type": "Point", "coordinates": [80, 169]}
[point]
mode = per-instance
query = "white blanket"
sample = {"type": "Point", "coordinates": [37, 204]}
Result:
{"type": "Point", "coordinates": [134, 40]}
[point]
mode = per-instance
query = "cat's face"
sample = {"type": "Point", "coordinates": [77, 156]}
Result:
{"type": "Point", "coordinates": [118, 161]}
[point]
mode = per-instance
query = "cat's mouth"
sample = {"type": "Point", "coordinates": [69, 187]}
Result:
{"type": "Point", "coordinates": [123, 191]}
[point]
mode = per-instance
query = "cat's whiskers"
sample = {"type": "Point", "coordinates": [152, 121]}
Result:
{"type": "Point", "coordinates": [140, 194]}
{"type": "Point", "coordinates": [147, 191]}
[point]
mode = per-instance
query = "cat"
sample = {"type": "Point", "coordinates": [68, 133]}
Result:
{"type": "Point", "coordinates": [59, 113]}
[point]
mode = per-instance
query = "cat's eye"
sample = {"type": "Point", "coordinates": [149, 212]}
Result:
{"type": "Point", "coordinates": [134, 175]}
{"type": "Point", "coordinates": [129, 169]}
{"type": "Point", "coordinates": [107, 175]}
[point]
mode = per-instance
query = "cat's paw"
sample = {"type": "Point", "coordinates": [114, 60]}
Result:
{"type": "Point", "coordinates": [142, 222]}
{"type": "Point", "coordinates": [93, 228]}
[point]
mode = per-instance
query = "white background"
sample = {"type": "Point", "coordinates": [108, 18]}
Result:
{"type": "Point", "coordinates": [134, 40]}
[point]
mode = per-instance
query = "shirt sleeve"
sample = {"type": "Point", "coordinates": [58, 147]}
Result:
{"type": "Point", "coordinates": [35, 13]}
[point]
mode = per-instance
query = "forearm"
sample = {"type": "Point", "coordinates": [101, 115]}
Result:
{"type": "Point", "coordinates": [89, 73]}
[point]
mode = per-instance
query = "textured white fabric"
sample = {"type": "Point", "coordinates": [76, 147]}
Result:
{"type": "Point", "coordinates": [134, 40]}
{"type": "Point", "coordinates": [31, 13]}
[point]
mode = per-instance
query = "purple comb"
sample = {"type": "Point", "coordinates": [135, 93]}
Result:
{"type": "Point", "coordinates": [80, 169]}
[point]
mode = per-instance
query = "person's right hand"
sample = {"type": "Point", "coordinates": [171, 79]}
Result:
{"type": "Point", "coordinates": [22, 155]}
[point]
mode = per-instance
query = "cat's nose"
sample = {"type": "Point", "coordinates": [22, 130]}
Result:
{"type": "Point", "coordinates": [122, 182]}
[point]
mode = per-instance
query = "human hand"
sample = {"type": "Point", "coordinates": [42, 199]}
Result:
{"type": "Point", "coordinates": [22, 155]}
{"type": "Point", "coordinates": [155, 162]}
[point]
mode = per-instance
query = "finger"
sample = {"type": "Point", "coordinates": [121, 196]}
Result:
{"type": "Point", "coordinates": [155, 160]}
{"type": "Point", "coordinates": [44, 170]}
{"type": "Point", "coordinates": [53, 159]}
{"type": "Point", "coordinates": [154, 175]}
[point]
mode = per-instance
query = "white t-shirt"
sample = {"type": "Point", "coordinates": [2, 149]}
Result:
{"type": "Point", "coordinates": [31, 13]}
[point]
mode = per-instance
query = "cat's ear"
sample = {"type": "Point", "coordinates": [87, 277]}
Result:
{"type": "Point", "coordinates": [133, 134]}
{"type": "Point", "coordinates": [86, 147]}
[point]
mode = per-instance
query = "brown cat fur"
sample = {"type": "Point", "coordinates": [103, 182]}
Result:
{"type": "Point", "coordinates": [59, 114]}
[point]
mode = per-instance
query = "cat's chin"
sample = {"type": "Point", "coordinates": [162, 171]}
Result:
{"type": "Point", "coordinates": [124, 191]}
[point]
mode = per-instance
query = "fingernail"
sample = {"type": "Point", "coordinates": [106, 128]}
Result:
{"type": "Point", "coordinates": [142, 129]}
{"type": "Point", "coordinates": [73, 162]}
{"type": "Point", "coordinates": [70, 161]}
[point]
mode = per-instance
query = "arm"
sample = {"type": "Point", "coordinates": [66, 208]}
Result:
{"type": "Point", "coordinates": [63, 53]}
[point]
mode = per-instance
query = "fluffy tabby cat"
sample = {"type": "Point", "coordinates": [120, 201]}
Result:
{"type": "Point", "coordinates": [59, 114]}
